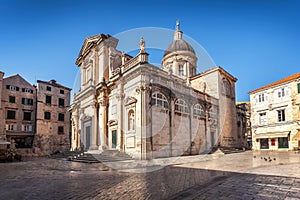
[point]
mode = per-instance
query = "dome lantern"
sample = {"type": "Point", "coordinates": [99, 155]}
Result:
{"type": "Point", "coordinates": [180, 57]}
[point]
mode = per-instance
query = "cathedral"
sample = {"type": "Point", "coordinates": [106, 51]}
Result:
{"type": "Point", "coordinates": [127, 104]}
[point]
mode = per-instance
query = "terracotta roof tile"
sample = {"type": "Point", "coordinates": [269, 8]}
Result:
{"type": "Point", "coordinates": [284, 80]}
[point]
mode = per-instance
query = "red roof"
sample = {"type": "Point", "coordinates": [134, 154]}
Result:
{"type": "Point", "coordinates": [287, 79]}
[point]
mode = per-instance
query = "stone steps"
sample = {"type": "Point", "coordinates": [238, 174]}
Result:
{"type": "Point", "coordinates": [227, 150]}
{"type": "Point", "coordinates": [86, 158]}
{"type": "Point", "coordinates": [112, 156]}
{"type": "Point", "coordinates": [93, 156]}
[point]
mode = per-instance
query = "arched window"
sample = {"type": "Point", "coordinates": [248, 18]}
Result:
{"type": "Point", "coordinates": [213, 112]}
{"type": "Point", "coordinates": [227, 88]}
{"type": "Point", "coordinates": [159, 100]}
{"type": "Point", "coordinates": [181, 106]}
{"type": "Point", "coordinates": [198, 110]}
{"type": "Point", "coordinates": [131, 120]}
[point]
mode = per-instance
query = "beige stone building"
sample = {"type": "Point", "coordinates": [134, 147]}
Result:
{"type": "Point", "coordinates": [127, 104]}
{"type": "Point", "coordinates": [53, 119]}
{"type": "Point", "coordinates": [24, 115]}
{"type": "Point", "coordinates": [275, 115]}
{"type": "Point", "coordinates": [244, 123]}
{"type": "Point", "coordinates": [18, 102]}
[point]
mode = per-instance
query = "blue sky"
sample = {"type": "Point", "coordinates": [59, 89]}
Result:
{"type": "Point", "coordinates": [256, 41]}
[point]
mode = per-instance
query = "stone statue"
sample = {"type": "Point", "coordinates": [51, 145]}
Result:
{"type": "Point", "coordinates": [142, 45]}
{"type": "Point", "coordinates": [177, 25]}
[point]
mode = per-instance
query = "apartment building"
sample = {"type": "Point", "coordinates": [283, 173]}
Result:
{"type": "Point", "coordinates": [18, 102]}
{"type": "Point", "coordinates": [53, 119]}
{"type": "Point", "coordinates": [275, 115]}
{"type": "Point", "coordinates": [34, 117]}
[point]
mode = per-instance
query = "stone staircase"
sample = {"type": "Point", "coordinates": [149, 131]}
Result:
{"type": "Point", "coordinates": [92, 156]}
{"type": "Point", "coordinates": [230, 150]}
{"type": "Point", "coordinates": [112, 156]}
{"type": "Point", "coordinates": [75, 156]}
{"type": "Point", "coordinates": [85, 158]}
{"type": "Point", "coordinates": [225, 150]}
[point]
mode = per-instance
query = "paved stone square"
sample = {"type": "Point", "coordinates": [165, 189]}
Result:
{"type": "Point", "coordinates": [236, 176]}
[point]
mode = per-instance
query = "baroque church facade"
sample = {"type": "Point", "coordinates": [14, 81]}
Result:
{"type": "Point", "coordinates": [127, 104]}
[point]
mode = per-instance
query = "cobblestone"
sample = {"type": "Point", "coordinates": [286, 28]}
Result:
{"type": "Point", "coordinates": [59, 179]}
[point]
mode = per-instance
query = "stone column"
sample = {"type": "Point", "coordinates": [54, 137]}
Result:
{"type": "Point", "coordinates": [94, 128]}
{"type": "Point", "coordinates": [102, 124]}
{"type": "Point", "coordinates": [207, 133]}
{"type": "Point", "coordinates": [171, 122]}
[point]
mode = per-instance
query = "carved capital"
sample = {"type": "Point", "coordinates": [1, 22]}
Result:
{"type": "Point", "coordinates": [102, 102]}
{"type": "Point", "coordinates": [142, 88]}
{"type": "Point", "coordinates": [120, 97]}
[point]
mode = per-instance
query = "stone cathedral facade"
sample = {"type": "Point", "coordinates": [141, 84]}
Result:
{"type": "Point", "coordinates": [126, 103]}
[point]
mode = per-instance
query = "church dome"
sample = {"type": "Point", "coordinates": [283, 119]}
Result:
{"type": "Point", "coordinates": [179, 45]}
{"type": "Point", "coordinates": [179, 58]}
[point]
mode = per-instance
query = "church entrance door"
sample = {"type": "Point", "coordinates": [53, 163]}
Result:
{"type": "Point", "coordinates": [88, 137]}
{"type": "Point", "coordinates": [114, 139]}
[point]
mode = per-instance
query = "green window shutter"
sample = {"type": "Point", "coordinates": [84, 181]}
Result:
{"type": "Point", "coordinates": [298, 88]}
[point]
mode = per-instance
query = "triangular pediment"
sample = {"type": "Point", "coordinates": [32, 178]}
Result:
{"type": "Point", "coordinates": [112, 122]}
{"type": "Point", "coordinates": [130, 100]}
{"type": "Point", "coordinates": [88, 44]}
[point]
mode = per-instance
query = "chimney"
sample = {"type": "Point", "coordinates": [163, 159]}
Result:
{"type": "Point", "coordinates": [52, 81]}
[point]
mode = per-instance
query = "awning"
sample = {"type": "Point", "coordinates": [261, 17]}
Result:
{"type": "Point", "coordinates": [4, 142]}
{"type": "Point", "coordinates": [272, 135]}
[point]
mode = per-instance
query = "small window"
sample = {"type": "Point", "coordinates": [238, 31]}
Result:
{"type": "Point", "coordinates": [298, 88]}
{"type": "Point", "coordinates": [27, 90]}
{"type": "Point", "coordinates": [11, 87]}
{"type": "Point", "coordinates": [26, 101]}
{"type": "Point", "coordinates": [283, 142]}
{"type": "Point", "coordinates": [181, 71]}
{"type": "Point", "coordinates": [262, 118]}
{"type": "Point", "coordinates": [10, 127]}
{"type": "Point", "coordinates": [60, 130]}
{"type": "Point", "coordinates": [11, 114]}
{"type": "Point", "coordinates": [61, 91]}
{"type": "Point", "coordinates": [47, 115]}
{"type": "Point", "coordinates": [61, 117]}
{"type": "Point", "coordinates": [12, 99]}
{"type": "Point", "coordinates": [281, 115]}
{"type": "Point", "coordinates": [48, 88]}
{"type": "Point", "coordinates": [27, 128]}
{"type": "Point", "coordinates": [27, 116]}
{"type": "Point", "coordinates": [264, 143]}
{"type": "Point", "coordinates": [61, 102]}
{"type": "Point", "coordinates": [48, 99]}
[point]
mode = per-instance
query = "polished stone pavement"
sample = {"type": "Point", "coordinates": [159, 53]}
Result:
{"type": "Point", "coordinates": [248, 175]}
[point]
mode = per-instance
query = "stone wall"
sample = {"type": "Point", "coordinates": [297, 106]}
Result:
{"type": "Point", "coordinates": [49, 137]}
